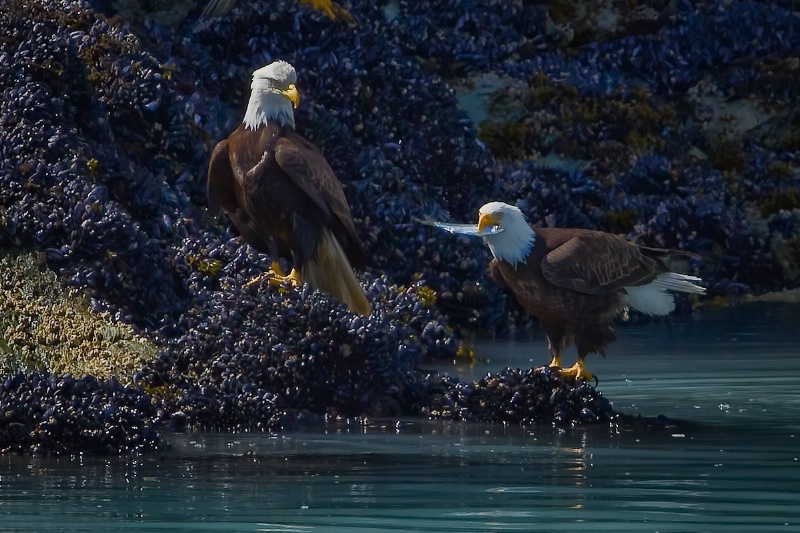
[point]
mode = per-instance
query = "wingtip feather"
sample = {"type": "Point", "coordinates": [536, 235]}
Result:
{"type": "Point", "coordinates": [673, 281]}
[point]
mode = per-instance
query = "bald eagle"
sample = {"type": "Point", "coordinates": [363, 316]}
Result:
{"type": "Point", "coordinates": [575, 281]}
{"type": "Point", "coordinates": [281, 194]}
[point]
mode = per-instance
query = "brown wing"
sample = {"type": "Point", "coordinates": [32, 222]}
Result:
{"type": "Point", "coordinates": [221, 182]}
{"type": "Point", "coordinates": [306, 165]}
{"type": "Point", "coordinates": [598, 263]}
{"type": "Point", "coordinates": [222, 186]}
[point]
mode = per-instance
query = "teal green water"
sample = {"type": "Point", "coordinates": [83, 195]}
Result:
{"type": "Point", "coordinates": [732, 465]}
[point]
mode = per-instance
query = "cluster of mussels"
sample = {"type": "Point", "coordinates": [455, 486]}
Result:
{"type": "Point", "coordinates": [532, 397]}
{"type": "Point", "coordinates": [48, 414]}
{"type": "Point", "coordinates": [640, 121]}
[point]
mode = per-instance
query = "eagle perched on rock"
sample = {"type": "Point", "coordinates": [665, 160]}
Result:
{"type": "Point", "coordinates": [575, 281]}
{"type": "Point", "coordinates": [282, 195]}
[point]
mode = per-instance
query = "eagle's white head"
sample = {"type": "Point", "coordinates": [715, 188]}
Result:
{"type": "Point", "coordinates": [514, 243]}
{"type": "Point", "coordinates": [273, 96]}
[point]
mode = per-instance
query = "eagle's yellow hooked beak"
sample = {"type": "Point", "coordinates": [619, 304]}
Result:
{"type": "Point", "coordinates": [487, 219]}
{"type": "Point", "coordinates": [292, 94]}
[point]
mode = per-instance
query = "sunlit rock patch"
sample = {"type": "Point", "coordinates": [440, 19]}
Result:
{"type": "Point", "coordinates": [48, 328]}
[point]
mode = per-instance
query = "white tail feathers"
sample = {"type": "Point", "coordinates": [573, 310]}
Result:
{"type": "Point", "coordinates": [330, 271]}
{"type": "Point", "coordinates": [653, 298]}
{"type": "Point", "coordinates": [672, 281]}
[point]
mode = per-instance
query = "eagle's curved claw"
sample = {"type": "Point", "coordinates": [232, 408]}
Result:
{"type": "Point", "coordinates": [275, 276]}
{"type": "Point", "coordinates": [258, 280]}
{"type": "Point", "coordinates": [577, 371]}
{"type": "Point", "coordinates": [334, 11]}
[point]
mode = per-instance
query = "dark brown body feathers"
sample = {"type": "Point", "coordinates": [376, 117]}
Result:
{"type": "Point", "coordinates": [283, 197]}
{"type": "Point", "coordinates": [573, 282]}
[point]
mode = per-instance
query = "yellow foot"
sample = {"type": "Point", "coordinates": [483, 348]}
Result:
{"type": "Point", "coordinates": [555, 363]}
{"type": "Point", "coordinates": [275, 276]}
{"type": "Point", "coordinates": [577, 371]}
{"type": "Point", "coordinates": [331, 9]}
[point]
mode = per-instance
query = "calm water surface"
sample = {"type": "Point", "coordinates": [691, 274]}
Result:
{"type": "Point", "coordinates": [732, 464]}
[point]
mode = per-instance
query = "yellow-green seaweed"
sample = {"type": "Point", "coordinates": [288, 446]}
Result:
{"type": "Point", "coordinates": [45, 326]}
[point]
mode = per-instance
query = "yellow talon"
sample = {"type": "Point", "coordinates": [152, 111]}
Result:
{"type": "Point", "coordinates": [257, 280]}
{"type": "Point", "coordinates": [332, 10]}
{"type": "Point", "coordinates": [293, 278]}
{"type": "Point", "coordinates": [275, 271]}
{"type": "Point", "coordinates": [275, 276]}
{"type": "Point", "coordinates": [577, 371]}
{"type": "Point", "coordinates": [555, 363]}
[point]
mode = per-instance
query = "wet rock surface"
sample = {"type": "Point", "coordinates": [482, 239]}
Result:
{"type": "Point", "coordinates": [675, 124]}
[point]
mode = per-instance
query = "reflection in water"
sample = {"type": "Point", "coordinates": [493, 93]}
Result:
{"type": "Point", "coordinates": [721, 469]}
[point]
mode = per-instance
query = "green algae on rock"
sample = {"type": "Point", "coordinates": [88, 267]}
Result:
{"type": "Point", "coordinates": [47, 327]}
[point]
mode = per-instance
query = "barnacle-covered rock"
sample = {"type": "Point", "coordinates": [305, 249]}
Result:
{"type": "Point", "coordinates": [46, 327]}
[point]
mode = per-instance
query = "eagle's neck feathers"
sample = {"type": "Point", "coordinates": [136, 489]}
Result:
{"type": "Point", "coordinates": [267, 106]}
{"type": "Point", "coordinates": [515, 242]}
